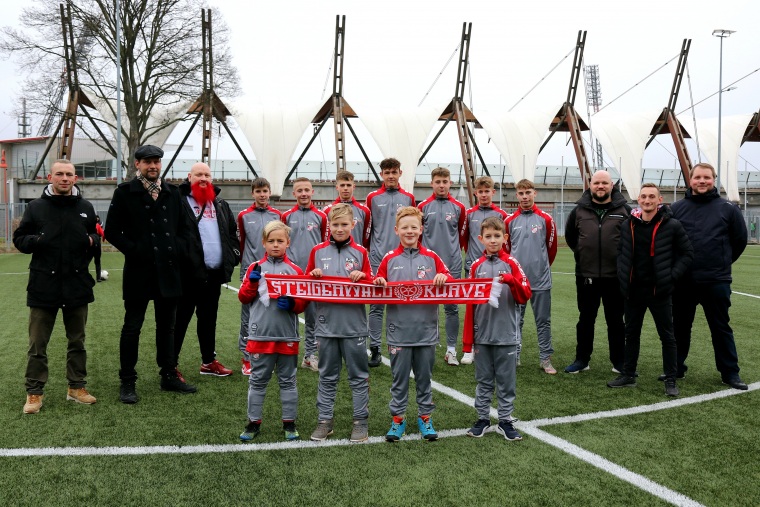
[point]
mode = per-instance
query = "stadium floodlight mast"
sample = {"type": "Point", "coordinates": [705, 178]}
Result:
{"type": "Point", "coordinates": [722, 33]}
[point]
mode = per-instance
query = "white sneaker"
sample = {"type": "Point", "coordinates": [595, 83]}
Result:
{"type": "Point", "coordinates": [311, 362]}
{"type": "Point", "coordinates": [467, 358]}
{"type": "Point", "coordinates": [451, 359]}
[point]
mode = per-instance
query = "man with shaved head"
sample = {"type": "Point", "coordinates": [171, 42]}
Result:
{"type": "Point", "coordinates": [593, 232]}
{"type": "Point", "coordinates": [214, 256]}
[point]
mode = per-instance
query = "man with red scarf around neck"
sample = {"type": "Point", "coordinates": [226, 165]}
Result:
{"type": "Point", "coordinates": [214, 254]}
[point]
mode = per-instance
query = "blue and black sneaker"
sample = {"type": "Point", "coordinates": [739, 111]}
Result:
{"type": "Point", "coordinates": [251, 431]}
{"type": "Point", "coordinates": [577, 366]}
{"type": "Point", "coordinates": [426, 428]}
{"type": "Point", "coordinates": [291, 433]}
{"type": "Point", "coordinates": [508, 431]}
{"type": "Point", "coordinates": [396, 432]}
{"type": "Point", "coordinates": [479, 428]}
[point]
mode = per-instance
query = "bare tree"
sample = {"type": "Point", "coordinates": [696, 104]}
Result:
{"type": "Point", "coordinates": [160, 66]}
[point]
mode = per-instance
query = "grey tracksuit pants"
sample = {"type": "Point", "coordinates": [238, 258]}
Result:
{"type": "Point", "coordinates": [310, 323]}
{"type": "Point", "coordinates": [541, 303]}
{"type": "Point", "coordinates": [495, 367]}
{"type": "Point", "coordinates": [407, 359]}
{"type": "Point", "coordinates": [262, 366]}
{"type": "Point", "coordinates": [332, 353]}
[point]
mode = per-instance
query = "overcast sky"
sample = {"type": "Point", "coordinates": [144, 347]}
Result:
{"type": "Point", "coordinates": [395, 49]}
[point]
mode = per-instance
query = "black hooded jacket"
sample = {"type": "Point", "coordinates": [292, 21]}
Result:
{"type": "Point", "coordinates": [56, 230]}
{"type": "Point", "coordinates": [669, 249]}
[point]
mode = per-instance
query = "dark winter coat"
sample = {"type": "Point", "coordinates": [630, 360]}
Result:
{"type": "Point", "coordinates": [56, 230]}
{"type": "Point", "coordinates": [154, 237]}
{"type": "Point", "coordinates": [227, 232]}
{"type": "Point", "coordinates": [717, 232]}
{"type": "Point", "coordinates": [670, 250]}
{"type": "Point", "coordinates": [594, 239]}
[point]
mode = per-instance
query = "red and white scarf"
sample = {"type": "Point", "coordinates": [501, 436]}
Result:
{"type": "Point", "coordinates": [330, 289]}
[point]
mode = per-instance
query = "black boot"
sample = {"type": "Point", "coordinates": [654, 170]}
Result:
{"type": "Point", "coordinates": [375, 359]}
{"type": "Point", "coordinates": [127, 392]}
{"type": "Point", "coordinates": [172, 382]}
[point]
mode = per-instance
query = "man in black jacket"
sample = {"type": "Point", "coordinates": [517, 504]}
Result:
{"type": "Point", "coordinates": [147, 224]}
{"type": "Point", "coordinates": [653, 253]}
{"type": "Point", "coordinates": [592, 232]}
{"type": "Point", "coordinates": [719, 235]}
{"type": "Point", "coordinates": [58, 229]}
{"type": "Point", "coordinates": [214, 257]}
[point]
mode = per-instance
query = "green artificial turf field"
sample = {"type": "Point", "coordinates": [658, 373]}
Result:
{"type": "Point", "coordinates": [151, 453]}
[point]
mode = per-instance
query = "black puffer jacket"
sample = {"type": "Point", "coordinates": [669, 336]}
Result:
{"type": "Point", "coordinates": [594, 239]}
{"type": "Point", "coordinates": [717, 231]}
{"type": "Point", "coordinates": [670, 248]}
{"type": "Point", "coordinates": [56, 230]}
{"type": "Point", "coordinates": [227, 233]}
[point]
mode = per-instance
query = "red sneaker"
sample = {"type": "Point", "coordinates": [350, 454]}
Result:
{"type": "Point", "coordinates": [245, 369]}
{"type": "Point", "coordinates": [215, 368]}
{"type": "Point", "coordinates": [179, 375]}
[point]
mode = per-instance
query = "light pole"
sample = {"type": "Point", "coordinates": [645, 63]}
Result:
{"type": "Point", "coordinates": [722, 34]}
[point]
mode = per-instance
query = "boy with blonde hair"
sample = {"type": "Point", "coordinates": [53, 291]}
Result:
{"type": "Point", "coordinates": [273, 334]}
{"type": "Point", "coordinates": [411, 330]}
{"type": "Point", "coordinates": [341, 329]}
{"type": "Point", "coordinates": [250, 223]}
{"type": "Point", "coordinates": [496, 331]}
{"type": "Point", "coordinates": [308, 225]}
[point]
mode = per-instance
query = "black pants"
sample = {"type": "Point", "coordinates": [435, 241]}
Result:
{"type": "Point", "coordinates": [203, 300]}
{"type": "Point", "coordinates": [165, 312]}
{"type": "Point", "coordinates": [715, 299]}
{"type": "Point", "coordinates": [590, 293]}
{"type": "Point", "coordinates": [661, 309]}
{"type": "Point", "coordinates": [96, 257]}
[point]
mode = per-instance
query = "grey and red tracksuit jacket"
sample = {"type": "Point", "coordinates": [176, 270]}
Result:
{"type": "Point", "coordinates": [442, 225]}
{"type": "Point", "coordinates": [335, 320]}
{"type": "Point", "coordinates": [411, 325]}
{"type": "Point", "coordinates": [383, 204]}
{"type": "Point", "coordinates": [307, 231]}
{"type": "Point", "coordinates": [484, 324]}
{"type": "Point", "coordinates": [471, 230]}
{"type": "Point", "coordinates": [361, 220]}
{"type": "Point", "coordinates": [533, 242]}
{"type": "Point", "coordinates": [251, 222]}
{"type": "Point", "coordinates": [269, 324]}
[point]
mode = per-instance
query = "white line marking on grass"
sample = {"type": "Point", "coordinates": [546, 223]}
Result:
{"type": "Point", "coordinates": [203, 449]}
{"type": "Point", "coordinates": [745, 294]}
{"type": "Point", "coordinates": [608, 466]}
{"type": "Point", "coordinates": [642, 409]}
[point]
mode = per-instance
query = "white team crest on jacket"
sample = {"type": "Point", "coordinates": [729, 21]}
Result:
{"type": "Point", "coordinates": [449, 216]}
{"type": "Point", "coordinates": [422, 271]}
{"type": "Point", "coordinates": [351, 264]}
{"type": "Point", "coordinates": [535, 228]}
{"type": "Point", "coordinates": [310, 226]}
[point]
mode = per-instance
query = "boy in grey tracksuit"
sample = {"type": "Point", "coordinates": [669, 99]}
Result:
{"type": "Point", "coordinates": [411, 330]}
{"type": "Point", "coordinates": [532, 240]}
{"type": "Point", "coordinates": [272, 335]}
{"type": "Point", "coordinates": [496, 331]}
{"type": "Point", "coordinates": [308, 226]}
{"type": "Point", "coordinates": [341, 329]}
{"type": "Point", "coordinates": [383, 205]}
{"type": "Point", "coordinates": [442, 225]}
{"type": "Point", "coordinates": [251, 222]}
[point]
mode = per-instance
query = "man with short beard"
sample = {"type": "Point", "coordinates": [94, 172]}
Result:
{"type": "Point", "coordinates": [213, 259]}
{"type": "Point", "coordinates": [147, 224]}
{"type": "Point", "coordinates": [718, 233]}
{"type": "Point", "coordinates": [593, 232]}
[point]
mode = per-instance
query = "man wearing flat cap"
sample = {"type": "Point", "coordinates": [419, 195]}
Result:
{"type": "Point", "coordinates": [147, 224]}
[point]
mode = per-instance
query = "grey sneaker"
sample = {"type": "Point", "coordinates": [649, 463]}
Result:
{"type": "Point", "coordinates": [546, 365]}
{"type": "Point", "coordinates": [324, 430]}
{"type": "Point", "coordinates": [622, 381]}
{"type": "Point", "coordinates": [360, 430]}
{"type": "Point", "coordinates": [671, 389]}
